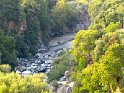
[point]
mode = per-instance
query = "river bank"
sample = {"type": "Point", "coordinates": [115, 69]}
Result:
{"type": "Point", "coordinates": [42, 61]}
{"type": "Point", "coordinates": [61, 40]}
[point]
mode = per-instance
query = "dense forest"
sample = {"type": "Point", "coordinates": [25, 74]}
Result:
{"type": "Point", "coordinates": [99, 51]}
{"type": "Point", "coordinates": [26, 24]}
{"type": "Point", "coordinates": [96, 59]}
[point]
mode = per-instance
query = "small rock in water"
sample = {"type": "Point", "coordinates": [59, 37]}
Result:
{"type": "Point", "coordinates": [49, 61]}
{"type": "Point", "coordinates": [46, 56]}
{"type": "Point", "coordinates": [26, 73]}
{"type": "Point", "coordinates": [33, 65]}
{"type": "Point", "coordinates": [18, 72]}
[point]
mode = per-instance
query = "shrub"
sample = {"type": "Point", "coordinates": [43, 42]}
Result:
{"type": "Point", "coordinates": [5, 68]}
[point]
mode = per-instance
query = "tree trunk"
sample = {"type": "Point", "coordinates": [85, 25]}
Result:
{"type": "Point", "coordinates": [119, 85]}
{"type": "Point", "coordinates": [110, 89]}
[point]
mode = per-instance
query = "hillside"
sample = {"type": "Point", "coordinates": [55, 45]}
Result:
{"type": "Point", "coordinates": [62, 46]}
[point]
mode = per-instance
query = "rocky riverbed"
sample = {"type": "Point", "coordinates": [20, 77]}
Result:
{"type": "Point", "coordinates": [43, 60]}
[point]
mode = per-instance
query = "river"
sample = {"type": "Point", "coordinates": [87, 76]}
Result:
{"type": "Point", "coordinates": [43, 60]}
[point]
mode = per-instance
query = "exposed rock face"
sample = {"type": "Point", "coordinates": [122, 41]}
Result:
{"type": "Point", "coordinates": [64, 89]}
{"type": "Point", "coordinates": [23, 26]}
{"type": "Point", "coordinates": [63, 85]}
{"type": "Point", "coordinates": [12, 26]}
{"type": "Point", "coordinates": [85, 20]}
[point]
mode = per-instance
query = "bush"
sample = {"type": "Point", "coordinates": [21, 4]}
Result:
{"type": "Point", "coordinates": [61, 64]}
{"type": "Point", "coordinates": [5, 68]}
{"type": "Point", "coordinates": [54, 83]}
{"type": "Point", "coordinates": [14, 83]}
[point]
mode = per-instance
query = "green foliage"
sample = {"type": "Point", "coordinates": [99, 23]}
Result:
{"type": "Point", "coordinates": [99, 59]}
{"type": "Point", "coordinates": [5, 68]}
{"type": "Point", "coordinates": [65, 16]}
{"type": "Point", "coordinates": [14, 83]}
{"type": "Point", "coordinates": [112, 27]}
{"type": "Point", "coordinates": [9, 11]}
{"type": "Point", "coordinates": [22, 47]}
{"type": "Point", "coordinates": [104, 72]}
{"type": "Point", "coordinates": [7, 49]}
{"type": "Point", "coordinates": [62, 64]}
{"type": "Point", "coordinates": [0, 56]}
{"type": "Point", "coordinates": [112, 69]}
{"type": "Point", "coordinates": [38, 23]}
{"type": "Point", "coordinates": [54, 84]}
{"type": "Point", "coordinates": [103, 43]}
{"type": "Point", "coordinates": [100, 76]}
{"type": "Point", "coordinates": [32, 22]}
{"type": "Point", "coordinates": [105, 12]}
{"type": "Point", "coordinates": [27, 21]}
{"type": "Point", "coordinates": [31, 35]}
{"type": "Point", "coordinates": [83, 45]}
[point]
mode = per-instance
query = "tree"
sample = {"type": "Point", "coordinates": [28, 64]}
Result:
{"type": "Point", "coordinates": [9, 12]}
{"type": "Point", "coordinates": [5, 68]}
{"type": "Point", "coordinates": [14, 83]}
{"type": "Point", "coordinates": [103, 43]}
{"type": "Point", "coordinates": [111, 70]}
{"type": "Point", "coordinates": [105, 73]}
{"type": "Point", "coordinates": [112, 27]}
{"type": "Point", "coordinates": [8, 52]}
{"type": "Point", "coordinates": [61, 64]}
{"type": "Point", "coordinates": [0, 56]}
{"type": "Point", "coordinates": [83, 45]}
{"type": "Point", "coordinates": [65, 16]}
{"type": "Point", "coordinates": [22, 47]}
{"type": "Point", "coordinates": [31, 35]}
{"type": "Point", "coordinates": [105, 12]}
